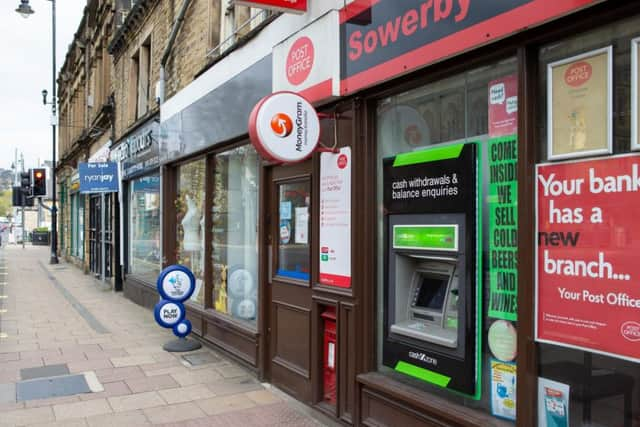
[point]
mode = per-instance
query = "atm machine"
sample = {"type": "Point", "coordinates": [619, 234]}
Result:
{"type": "Point", "coordinates": [431, 304]}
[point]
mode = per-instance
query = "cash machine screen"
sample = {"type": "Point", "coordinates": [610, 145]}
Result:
{"type": "Point", "coordinates": [430, 292]}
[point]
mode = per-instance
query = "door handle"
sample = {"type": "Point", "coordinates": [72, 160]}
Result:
{"type": "Point", "coordinates": [270, 263]}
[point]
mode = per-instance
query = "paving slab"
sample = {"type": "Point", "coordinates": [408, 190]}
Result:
{"type": "Point", "coordinates": [44, 371]}
{"type": "Point", "coordinates": [61, 316]}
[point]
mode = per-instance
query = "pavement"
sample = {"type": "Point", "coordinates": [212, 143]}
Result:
{"type": "Point", "coordinates": [56, 318]}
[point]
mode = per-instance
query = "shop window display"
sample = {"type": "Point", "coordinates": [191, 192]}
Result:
{"type": "Point", "coordinates": [594, 382]}
{"type": "Point", "coordinates": [144, 227]}
{"type": "Point", "coordinates": [235, 233]}
{"type": "Point", "coordinates": [190, 222]}
{"type": "Point", "coordinates": [438, 276]}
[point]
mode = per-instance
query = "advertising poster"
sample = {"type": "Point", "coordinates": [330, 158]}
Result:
{"type": "Point", "coordinates": [335, 218]}
{"type": "Point", "coordinates": [302, 225]}
{"type": "Point", "coordinates": [503, 106]}
{"type": "Point", "coordinates": [588, 241]}
{"type": "Point", "coordinates": [503, 228]}
{"type": "Point", "coordinates": [553, 403]}
{"type": "Point", "coordinates": [579, 103]}
{"type": "Point", "coordinates": [503, 389]}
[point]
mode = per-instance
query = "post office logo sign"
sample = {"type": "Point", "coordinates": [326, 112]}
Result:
{"type": "Point", "coordinates": [284, 127]}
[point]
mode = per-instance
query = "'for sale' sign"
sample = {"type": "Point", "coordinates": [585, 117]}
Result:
{"type": "Point", "coordinates": [588, 241]}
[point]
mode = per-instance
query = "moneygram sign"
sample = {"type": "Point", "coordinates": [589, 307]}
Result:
{"type": "Point", "coordinates": [284, 127]}
{"type": "Point", "coordinates": [290, 6]}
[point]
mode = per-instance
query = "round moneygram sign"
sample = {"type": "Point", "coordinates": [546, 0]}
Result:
{"type": "Point", "coordinates": [284, 127]}
{"type": "Point", "coordinates": [176, 283]}
{"type": "Point", "coordinates": [169, 313]}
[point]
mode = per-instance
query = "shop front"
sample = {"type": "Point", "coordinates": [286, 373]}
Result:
{"type": "Point", "coordinates": [496, 287]}
{"type": "Point", "coordinates": [76, 229]}
{"type": "Point", "coordinates": [456, 248]}
{"type": "Point", "coordinates": [138, 157]}
{"type": "Point", "coordinates": [212, 182]}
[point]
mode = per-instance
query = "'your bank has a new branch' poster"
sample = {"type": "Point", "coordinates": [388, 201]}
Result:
{"type": "Point", "coordinates": [588, 241]}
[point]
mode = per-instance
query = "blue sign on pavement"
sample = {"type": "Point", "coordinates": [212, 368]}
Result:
{"type": "Point", "coordinates": [175, 284]}
{"type": "Point", "coordinates": [98, 177]}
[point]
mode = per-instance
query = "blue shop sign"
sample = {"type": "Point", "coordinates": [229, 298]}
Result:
{"type": "Point", "coordinates": [98, 177]}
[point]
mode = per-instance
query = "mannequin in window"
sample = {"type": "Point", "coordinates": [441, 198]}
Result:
{"type": "Point", "coordinates": [191, 226]}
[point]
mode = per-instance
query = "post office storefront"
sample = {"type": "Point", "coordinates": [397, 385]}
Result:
{"type": "Point", "coordinates": [476, 309]}
{"type": "Point", "coordinates": [401, 275]}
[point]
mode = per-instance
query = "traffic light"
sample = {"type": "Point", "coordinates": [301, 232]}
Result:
{"type": "Point", "coordinates": [25, 183]}
{"type": "Point", "coordinates": [20, 199]}
{"type": "Point", "coordinates": [39, 182]}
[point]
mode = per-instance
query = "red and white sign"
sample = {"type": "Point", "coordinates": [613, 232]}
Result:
{"type": "Point", "coordinates": [588, 241]}
{"type": "Point", "coordinates": [503, 106]}
{"type": "Point", "coordinates": [308, 62]}
{"type": "Point", "coordinates": [284, 127]}
{"type": "Point", "coordinates": [335, 218]}
{"type": "Point", "coordinates": [291, 6]}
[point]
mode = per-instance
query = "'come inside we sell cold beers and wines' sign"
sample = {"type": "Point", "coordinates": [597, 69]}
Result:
{"type": "Point", "coordinates": [588, 246]}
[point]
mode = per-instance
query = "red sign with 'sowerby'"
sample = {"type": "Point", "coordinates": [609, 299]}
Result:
{"type": "Point", "coordinates": [588, 241]}
{"type": "Point", "coordinates": [292, 6]}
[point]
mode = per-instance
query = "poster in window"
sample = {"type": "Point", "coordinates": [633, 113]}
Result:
{"type": "Point", "coordinates": [635, 85]}
{"type": "Point", "coordinates": [579, 96]}
{"type": "Point", "coordinates": [587, 270]}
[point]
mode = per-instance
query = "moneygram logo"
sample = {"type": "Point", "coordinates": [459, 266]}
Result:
{"type": "Point", "coordinates": [281, 125]}
{"type": "Point", "coordinates": [630, 331]}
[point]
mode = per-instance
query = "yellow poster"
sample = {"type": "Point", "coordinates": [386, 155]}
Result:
{"type": "Point", "coordinates": [580, 105]}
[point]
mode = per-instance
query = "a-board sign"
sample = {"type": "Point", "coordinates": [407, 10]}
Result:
{"type": "Point", "coordinates": [175, 285]}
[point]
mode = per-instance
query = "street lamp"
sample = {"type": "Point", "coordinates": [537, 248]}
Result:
{"type": "Point", "coordinates": [25, 10]}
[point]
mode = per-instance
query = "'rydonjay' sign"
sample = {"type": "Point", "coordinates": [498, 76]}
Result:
{"type": "Point", "coordinates": [98, 177]}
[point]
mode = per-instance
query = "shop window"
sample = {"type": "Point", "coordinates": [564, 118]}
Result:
{"type": "Point", "coordinates": [144, 227]}
{"type": "Point", "coordinates": [235, 233]}
{"type": "Point", "coordinates": [190, 222]}
{"type": "Point", "coordinates": [439, 305]}
{"type": "Point", "coordinates": [588, 371]}
{"type": "Point", "coordinates": [77, 225]}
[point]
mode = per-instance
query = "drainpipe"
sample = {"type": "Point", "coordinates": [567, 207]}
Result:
{"type": "Point", "coordinates": [165, 56]}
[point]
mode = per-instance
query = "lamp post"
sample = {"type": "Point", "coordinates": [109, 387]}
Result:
{"type": "Point", "coordinates": [25, 10]}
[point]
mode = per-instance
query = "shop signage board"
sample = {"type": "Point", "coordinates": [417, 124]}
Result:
{"type": "Point", "coordinates": [284, 127]}
{"type": "Point", "coordinates": [335, 218]}
{"type": "Point", "coordinates": [503, 227]}
{"type": "Point", "coordinates": [98, 177]}
{"type": "Point", "coordinates": [382, 39]}
{"type": "Point", "coordinates": [588, 240]}
{"type": "Point", "coordinates": [288, 6]}
{"type": "Point", "coordinates": [139, 152]}
{"type": "Point", "coordinates": [308, 62]}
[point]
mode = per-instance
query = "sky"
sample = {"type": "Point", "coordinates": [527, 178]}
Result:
{"type": "Point", "coordinates": [26, 69]}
